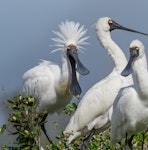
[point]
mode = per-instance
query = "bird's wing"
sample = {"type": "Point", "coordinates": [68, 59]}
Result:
{"type": "Point", "coordinates": [94, 103]}
{"type": "Point", "coordinates": [119, 116]}
{"type": "Point", "coordinates": [40, 79]}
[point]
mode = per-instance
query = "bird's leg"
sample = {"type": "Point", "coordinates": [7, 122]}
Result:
{"type": "Point", "coordinates": [120, 146]}
{"type": "Point", "coordinates": [129, 141]}
{"type": "Point", "coordinates": [143, 136]}
{"type": "Point", "coordinates": [85, 142]}
{"type": "Point", "coordinates": [43, 128]}
{"type": "Point", "coordinates": [126, 139]}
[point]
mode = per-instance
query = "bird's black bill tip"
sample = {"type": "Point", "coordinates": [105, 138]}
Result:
{"type": "Point", "coordinates": [128, 69]}
{"type": "Point", "coordinates": [82, 70]}
{"type": "Point", "coordinates": [125, 73]}
{"type": "Point", "coordinates": [76, 90]}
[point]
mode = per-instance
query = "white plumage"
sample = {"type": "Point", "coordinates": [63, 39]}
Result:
{"type": "Point", "coordinates": [95, 109]}
{"type": "Point", "coordinates": [41, 82]}
{"type": "Point", "coordinates": [91, 111]}
{"type": "Point", "coordinates": [130, 109]}
{"type": "Point", "coordinates": [54, 85]}
{"type": "Point", "coordinates": [49, 82]}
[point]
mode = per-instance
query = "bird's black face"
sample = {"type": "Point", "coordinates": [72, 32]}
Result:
{"type": "Point", "coordinates": [134, 52]}
{"type": "Point", "coordinates": [114, 25]}
{"type": "Point", "coordinates": [76, 65]}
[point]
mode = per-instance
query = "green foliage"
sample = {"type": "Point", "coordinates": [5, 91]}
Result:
{"type": "Point", "coordinates": [26, 124]}
{"type": "Point", "coordinates": [3, 129]}
{"type": "Point", "coordinates": [99, 142]}
{"type": "Point", "coordinates": [70, 108]}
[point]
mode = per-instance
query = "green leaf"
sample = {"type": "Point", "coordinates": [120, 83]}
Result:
{"type": "Point", "coordinates": [3, 129]}
{"type": "Point", "coordinates": [70, 108]}
{"type": "Point", "coordinates": [10, 101]}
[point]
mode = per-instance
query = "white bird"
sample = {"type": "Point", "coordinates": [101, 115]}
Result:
{"type": "Point", "coordinates": [54, 85]}
{"type": "Point", "coordinates": [130, 109]}
{"type": "Point", "coordinates": [95, 108]}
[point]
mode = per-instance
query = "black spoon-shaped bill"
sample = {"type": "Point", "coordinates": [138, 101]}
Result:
{"type": "Point", "coordinates": [114, 25]}
{"type": "Point", "coordinates": [134, 52]}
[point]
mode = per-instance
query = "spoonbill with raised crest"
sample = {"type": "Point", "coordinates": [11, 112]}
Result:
{"type": "Point", "coordinates": [54, 85]}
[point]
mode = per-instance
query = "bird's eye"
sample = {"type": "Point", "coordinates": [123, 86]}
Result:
{"type": "Point", "coordinates": [134, 48]}
{"type": "Point", "coordinates": [68, 47]}
{"type": "Point", "coordinates": [137, 49]}
{"type": "Point", "coordinates": [110, 22]}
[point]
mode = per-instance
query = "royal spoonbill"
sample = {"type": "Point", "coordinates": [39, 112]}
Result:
{"type": "Point", "coordinates": [94, 110]}
{"type": "Point", "coordinates": [54, 85]}
{"type": "Point", "coordinates": [130, 109]}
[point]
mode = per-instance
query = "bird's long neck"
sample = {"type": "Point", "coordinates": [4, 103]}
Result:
{"type": "Point", "coordinates": [113, 49]}
{"type": "Point", "coordinates": [140, 76]}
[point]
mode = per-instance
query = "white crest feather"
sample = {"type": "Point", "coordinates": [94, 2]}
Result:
{"type": "Point", "coordinates": [70, 33]}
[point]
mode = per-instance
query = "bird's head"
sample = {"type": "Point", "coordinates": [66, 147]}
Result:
{"type": "Point", "coordinates": [136, 52]}
{"type": "Point", "coordinates": [106, 24]}
{"type": "Point", "coordinates": [70, 39]}
{"type": "Point", "coordinates": [70, 33]}
{"type": "Point", "coordinates": [102, 24]}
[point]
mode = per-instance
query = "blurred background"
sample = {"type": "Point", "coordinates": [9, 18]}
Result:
{"type": "Point", "coordinates": [25, 38]}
